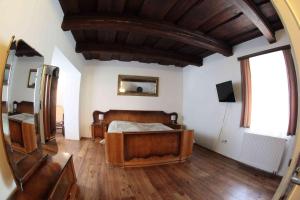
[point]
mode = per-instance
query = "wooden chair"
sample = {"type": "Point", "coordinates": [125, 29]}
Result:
{"type": "Point", "coordinates": [60, 124]}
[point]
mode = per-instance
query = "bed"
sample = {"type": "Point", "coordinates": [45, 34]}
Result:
{"type": "Point", "coordinates": [144, 138]}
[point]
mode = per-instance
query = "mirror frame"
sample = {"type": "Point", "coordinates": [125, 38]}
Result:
{"type": "Point", "coordinates": [5, 146]}
{"type": "Point", "coordinates": [20, 178]}
{"type": "Point", "coordinates": [149, 79]}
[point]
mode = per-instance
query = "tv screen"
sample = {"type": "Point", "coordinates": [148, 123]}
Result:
{"type": "Point", "coordinates": [225, 92]}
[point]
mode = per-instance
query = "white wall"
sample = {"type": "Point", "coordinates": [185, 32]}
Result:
{"type": "Point", "coordinates": [11, 60]}
{"type": "Point", "coordinates": [18, 90]}
{"type": "Point", "coordinates": [68, 90]}
{"type": "Point", "coordinates": [100, 84]}
{"type": "Point", "coordinates": [201, 108]}
{"type": "Point", "coordinates": [38, 23]}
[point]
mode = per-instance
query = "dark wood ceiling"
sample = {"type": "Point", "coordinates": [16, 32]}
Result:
{"type": "Point", "coordinates": [168, 32]}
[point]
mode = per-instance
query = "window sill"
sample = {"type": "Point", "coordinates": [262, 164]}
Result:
{"type": "Point", "coordinates": [263, 133]}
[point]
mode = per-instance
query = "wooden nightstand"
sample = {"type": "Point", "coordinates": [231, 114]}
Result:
{"type": "Point", "coordinates": [97, 130]}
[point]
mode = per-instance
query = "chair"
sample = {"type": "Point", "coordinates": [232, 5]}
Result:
{"type": "Point", "coordinates": [60, 119]}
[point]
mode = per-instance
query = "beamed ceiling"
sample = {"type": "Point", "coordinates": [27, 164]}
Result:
{"type": "Point", "coordinates": [168, 32]}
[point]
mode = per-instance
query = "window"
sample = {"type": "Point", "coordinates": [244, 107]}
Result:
{"type": "Point", "coordinates": [269, 92]}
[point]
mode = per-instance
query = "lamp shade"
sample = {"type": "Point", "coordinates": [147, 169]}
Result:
{"type": "Point", "coordinates": [173, 117]}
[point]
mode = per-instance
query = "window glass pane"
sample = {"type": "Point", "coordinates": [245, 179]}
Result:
{"type": "Point", "coordinates": [270, 97]}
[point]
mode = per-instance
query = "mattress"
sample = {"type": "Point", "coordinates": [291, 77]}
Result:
{"type": "Point", "coordinates": [24, 117]}
{"type": "Point", "coordinates": [127, 126]}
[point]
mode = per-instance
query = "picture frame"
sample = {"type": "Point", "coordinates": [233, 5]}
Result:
{"type": "Point", "coordinates": [131, 85]}
{"type": "Point", "coordinates": [31, 78]}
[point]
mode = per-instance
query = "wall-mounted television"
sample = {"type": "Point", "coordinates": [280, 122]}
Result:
{"type": "Point", "coordinates": [225, 92]}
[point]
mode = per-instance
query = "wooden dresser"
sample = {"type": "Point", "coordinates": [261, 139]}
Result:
{"type": "Point", "coordinates": [55, 180]}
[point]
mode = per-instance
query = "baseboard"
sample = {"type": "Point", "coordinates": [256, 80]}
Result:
{"type": "Point", "coordinates": [85, 138]}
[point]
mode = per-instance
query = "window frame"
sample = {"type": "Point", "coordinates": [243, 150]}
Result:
{"type": "Point", "coordinates": [292, 87]}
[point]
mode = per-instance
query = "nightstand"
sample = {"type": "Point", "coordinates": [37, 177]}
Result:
{"type": "Point", "coordinates": [97, 130]}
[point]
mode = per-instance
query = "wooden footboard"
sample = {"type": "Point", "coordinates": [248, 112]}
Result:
{"type": "Point", "coordinates": [133, 149]}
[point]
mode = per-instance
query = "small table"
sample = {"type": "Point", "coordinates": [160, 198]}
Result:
{"type": "Point", "coordinates": [97, 130]}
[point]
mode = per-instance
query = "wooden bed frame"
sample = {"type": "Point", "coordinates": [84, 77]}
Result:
{"type": "Point", "coordinates": [135, 149]}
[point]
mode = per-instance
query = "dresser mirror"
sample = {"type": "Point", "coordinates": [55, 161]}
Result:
{"type": "Point", "coordinates": [27, 99]}
{"type": "Point", "coordinates": [137, 85]}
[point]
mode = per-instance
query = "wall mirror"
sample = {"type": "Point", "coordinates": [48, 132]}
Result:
{"type": "Point", "coordinates": [138, 85]}
{"type": "Point", "coordinates": [26, 111]}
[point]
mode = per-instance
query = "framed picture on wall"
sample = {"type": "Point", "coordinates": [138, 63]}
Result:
{"type": "Point", "coordinates": [31, 78]}
{"type": "Point", "coordinates": [131, 85]}
{"type": "Point", "coordinates": [6, 74]}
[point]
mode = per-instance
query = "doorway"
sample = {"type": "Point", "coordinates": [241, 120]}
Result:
{"type": "Point", "coordinates": [68, 90]}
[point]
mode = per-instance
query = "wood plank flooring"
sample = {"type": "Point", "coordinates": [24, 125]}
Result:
{"type": "Point", "coordinates": [206, 175]}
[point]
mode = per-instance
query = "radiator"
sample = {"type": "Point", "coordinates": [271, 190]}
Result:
{"type": "Point", "coordinates": [262, 152]}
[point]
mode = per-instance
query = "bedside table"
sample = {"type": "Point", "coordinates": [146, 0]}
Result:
{"type": "Point", "coordinates": [97, 130]}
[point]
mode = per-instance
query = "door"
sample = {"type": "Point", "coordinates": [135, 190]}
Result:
{"type": "Point", "coordinates": [293, 190]}
{"type": "Point", "coordinates": [289, 12]}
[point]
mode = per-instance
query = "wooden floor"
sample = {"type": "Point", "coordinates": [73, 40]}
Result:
{"type": "Point", "coordinates": [206, 175]}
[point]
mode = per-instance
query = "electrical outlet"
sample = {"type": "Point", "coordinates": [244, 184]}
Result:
{"type": "Point", "coordinates": [224, 141]}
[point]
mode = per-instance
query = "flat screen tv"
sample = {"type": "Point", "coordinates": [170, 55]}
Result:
{"type": "Point", "coordinates": [225, 92]}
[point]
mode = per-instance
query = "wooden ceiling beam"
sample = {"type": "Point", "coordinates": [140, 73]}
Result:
{"type": "Point", "coordinates": [139, 52]}
{"type": "Point", "coordinates": [255, 15]}
{"type": "Point", "coordinates": [147, 27]}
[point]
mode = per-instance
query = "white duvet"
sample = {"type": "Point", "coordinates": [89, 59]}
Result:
{"type": "Point", "coordinates": [127, 126]}
{"type": "Point", "coordinates": [24, 117]}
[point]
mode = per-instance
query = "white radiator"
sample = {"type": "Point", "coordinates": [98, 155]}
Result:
{"type": "Point", "coordinates": [262, 152]}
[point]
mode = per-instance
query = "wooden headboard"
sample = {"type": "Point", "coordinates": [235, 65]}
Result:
{"type": "Point", "coordinates": [24, 107]}
{"type": "Point", "coordinates": [135, 116]}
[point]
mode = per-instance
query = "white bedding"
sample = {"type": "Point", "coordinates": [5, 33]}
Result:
{"type": "Point", "coordinates": [24, 117]}
{"type": "Point", "coordinates": [127, 126]}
